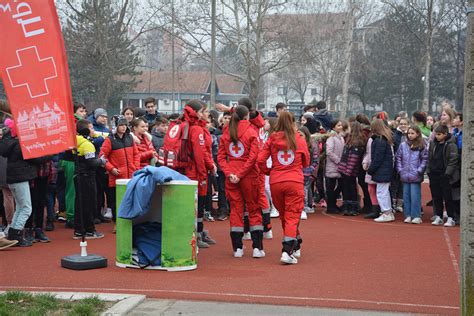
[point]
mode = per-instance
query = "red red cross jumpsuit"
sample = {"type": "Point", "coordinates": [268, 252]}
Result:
{"type": "Point", "coordinates": [240, 159]}
{"type": "Point", "coordinates": [286, 183]}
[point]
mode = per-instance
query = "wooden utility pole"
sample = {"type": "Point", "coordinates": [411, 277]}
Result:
{"type": "Point", "coordinates": [348, 59]}
{"type": "Point", "coordinates": [467, 178]}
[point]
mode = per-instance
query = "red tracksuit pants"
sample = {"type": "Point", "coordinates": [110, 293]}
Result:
{"type": "Point", "coordinates": [243, 194]}
{"type": "Point", "coordinates": [288, 198]}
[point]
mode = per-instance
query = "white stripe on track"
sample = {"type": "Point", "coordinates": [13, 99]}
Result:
{"type": "Point", "coordinates": [243, 295]}
{"type": "Point", "coordinates": [454, 261]}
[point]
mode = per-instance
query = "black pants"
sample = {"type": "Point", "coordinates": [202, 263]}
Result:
{"type": "Point", "coordinates": [112, 202]}
{"type": "Point", "coordinates": [200, 214]}
{"type": "Point", "coordinates": [102, 183]}
{"type": "Point", "coordinates": [331, 194]}
{"type": "Point", "coordinates": [61, 191]}
{"type": "Point", "coordinates": [3, 215]}
{"type": "Point", "coordinates": [441, 192]}
{"type": "Point", "coordinates": [365, 189]}
{"type": "Point", "coordinates": [223, 203]}
{"type": "Point", "coordinates": [349, 188]}
{"type": "Point", "coordinates": [39, 195]}
{"type": "Point", "coordinates": [86, 202]}
{"type": "Point", "coordinates": [320, 183]}
{"type": "Point", "coordinates": [211, 179]}
{"type": "Point", "coordinates": [396, 187]}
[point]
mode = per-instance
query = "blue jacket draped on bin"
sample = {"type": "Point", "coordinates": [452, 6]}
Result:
{"type": "Point", "coordinates": [137, 198]}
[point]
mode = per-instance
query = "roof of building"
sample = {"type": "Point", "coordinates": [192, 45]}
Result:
{"type": "Point", "coordinates": [186, 82]}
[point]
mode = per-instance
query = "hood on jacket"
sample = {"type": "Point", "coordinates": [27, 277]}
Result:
{"type": "Point", "coordinates": [279, 140]}
{"type": "Point", "coordinates": [241, 129]}
{"type": "Point", "coordinates": [258, 120]}
{"type": "Point", "coordinates": [190, 116]}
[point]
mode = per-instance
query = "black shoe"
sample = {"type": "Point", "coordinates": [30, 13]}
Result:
{"type": "Point", "coordinates": [40, 236]}
{"type": "Point", "coordinates": [207, 238]}
{"type": "Point", "coordinates": [430, 203]}
{"type": "Point", "coordinates": [49, 226]}
{"type": "Point", "coordinates": [90, 235]}
{"type": "Point", "coordinates": [28, 235]}
{"type": "Point", "coordinates": [16, 234]}
{"type": "Point", "coordinates": [374, 214]}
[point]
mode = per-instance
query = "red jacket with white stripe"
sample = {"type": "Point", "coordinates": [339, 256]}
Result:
{"type": "Point", "coordinates": [287, 165]}
{"type": "Point", "coordinates": [240, 158]}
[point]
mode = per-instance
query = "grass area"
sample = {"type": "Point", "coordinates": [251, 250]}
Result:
{"type": "Point", "coordinates": [22, 303]}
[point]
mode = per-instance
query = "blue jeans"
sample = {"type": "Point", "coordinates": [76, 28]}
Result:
{"type": "Point", "coordinates": [412, 199]}
{"type": "Point", "coordinates": [52, 192]}
{"type": "Point", "coordinates": [22, 197]}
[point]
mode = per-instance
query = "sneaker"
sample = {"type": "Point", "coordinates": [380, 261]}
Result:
{"type": "Point", "coordinates": [450, 222]}
{"type": "Point", "coordinates": [407, 220]}
{"type": "Point", "coordinates": [433, 218]}
{"type": "Point", "coordinates": [385, 217]}
{"type": "Point", "coordinates": [247, 236]}
{"type": "Point", "coordinates": [207, 238]}
{"type": "Point", "coordinates": [40, 236]}
{"type": "Point", "coordinates": [257, 253]}
{"type": "Point", "coordinates": [28, 235]}
{"type": "Point", "coordinates": [108, 213]}
{"type": "Point", "coordinates": [304, 215]}
{"type": "Point", "coordinates": [89, 235]}
{"type": "Point", "coordinates": [398, 209]}
{"type": "Point", "coordinates": [5, 243]}
{"type": "Point", "coordinates": [297, 253]}
{"type": "Point", "coordinates": [49, 226]}
{"type": "Point", "coordinates": [268, 235]}
{"type": "Point", "coordinates": [239, 253]}
{"type": "Point", "coordinates": [309, 210]}
{"type": "Point", "coordinates": [208, 217]}
{"type": "Point", "coordinates": [274, 213]}
{"type": "Point", "coordinates": [288, 259]}
{"type": "Point", "coordinates": [437, 221]}
{"type": "Point", "coordinates": [61, 217]}
{"type": "Point", "coordinates": [323, 203]}
{"type": "Point", "coordinates": [222, 217]}
{"type": "Point", "coordinates": [416, 220]}
{"type": "Point", "coordinates": [215, 197]}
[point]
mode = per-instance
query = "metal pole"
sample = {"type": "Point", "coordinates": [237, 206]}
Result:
{"type": "Point", "coordinates": [172, 59]}
{"type": "Point", "coordinates": [213, 54]}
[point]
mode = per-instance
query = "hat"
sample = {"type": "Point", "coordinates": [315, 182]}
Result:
{"type": "Point", "coordinates": [121, 120]}
{"type": "Point", "coordinates": [100, 112]}
{"type": "Point", "coordinates": [308, 115]}
{"type": "Point", "coordinates": [139, 112]}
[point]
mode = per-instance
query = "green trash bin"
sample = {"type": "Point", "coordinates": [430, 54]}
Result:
{"type": "Point", "coordinates": [173, 205]}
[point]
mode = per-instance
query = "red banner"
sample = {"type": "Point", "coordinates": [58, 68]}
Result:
{"type": "Point", "coordinates": [33, 68]}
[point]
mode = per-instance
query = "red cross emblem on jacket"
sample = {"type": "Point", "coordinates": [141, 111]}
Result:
{"type": "Point", "coordinates": [286, 157]}
{"type": "Point", "coordinates": [236, 150]}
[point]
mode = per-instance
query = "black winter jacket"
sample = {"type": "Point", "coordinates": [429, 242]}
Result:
{"type": "Point", "coordinates": [382, 165]}
{"type": "Point", "coordinates": [18, 169]}
{"type": "Point", "coordinates": [451, 158]}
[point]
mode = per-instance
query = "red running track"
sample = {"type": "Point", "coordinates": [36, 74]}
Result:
{"type": "Point", "coordinates": [347, 262]}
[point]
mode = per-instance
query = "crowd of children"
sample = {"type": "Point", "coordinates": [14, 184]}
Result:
{"type": "Point", "coordinates": [252, 167]}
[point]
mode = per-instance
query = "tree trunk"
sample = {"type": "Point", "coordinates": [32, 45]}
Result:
{"type": "Point", "coordinates": [429, 47]}
{"type": "Point", "coordinates": [467, 178]}
{"type": "Point", "coordinates": [348, 59]}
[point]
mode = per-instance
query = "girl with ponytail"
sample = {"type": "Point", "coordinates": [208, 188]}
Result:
{"type": "Point", "coordinates": [238, 151]}
{"type": "Point", "coordinates": [289, 153]}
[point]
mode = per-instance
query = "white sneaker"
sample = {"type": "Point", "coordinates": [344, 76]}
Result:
{"type": "Point", "coordinates": [268, 235]}
{"type": "Point", "coordinates": [247, 236]}
{"type": "Point", "coordinates": [287, 259]}
{"type": "Point", "coordinates": [257, 253]}
{"type": "Point", "coordinates": [239, 253]}
{"type": "Point", "coordinates": [385, 217]}
{"type": "Point", "coordinates": [309, 210]}
{"type": "Point", "coordinates": [437, 221]}
{"type": "Point", "coordinates": [399, 209]}
{"type": "Point", "coordinates": [416, 220]}
{"type": "Point", "coordinates": [304, 215]}
{"type": "Point", "coordinates": [297, 253]}
{"type": "Point", "coordinates": [450, 222]}
{"type": "Point", "coordinates": [407, 220]}
{"type": "Point", "coordinates": [107, 213]}
{"type": "Point", "coordinates": [274, 213]}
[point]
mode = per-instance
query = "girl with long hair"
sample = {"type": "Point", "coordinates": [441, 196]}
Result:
{"type": "Point", "coordinates": [237, 156]}
{"type": "Point", "coordinates": [145, 146]}
{"type": "Point", "coordinates": [411, 163]}
{"type": "Point", "coordinates": [349, 167]}
{"type": "Point", "coordinates": [289, 153]}
{"type": "Point", "coordinates": [309, 172]}
{"type": "Point", "coordinates": [381, 167]}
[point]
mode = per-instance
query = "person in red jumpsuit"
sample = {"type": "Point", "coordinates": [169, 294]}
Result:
{"type": "Point", "coordinates": [289, 153]}
{"type": "Point", "coordinates": [196, 169]}
{"type": "Point", "coordinates": [237, 156]}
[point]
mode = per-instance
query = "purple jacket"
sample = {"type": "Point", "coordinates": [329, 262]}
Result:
{"type": "Point", "coordinates": [411, 163]}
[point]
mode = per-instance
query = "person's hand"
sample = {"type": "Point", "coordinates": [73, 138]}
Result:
{"type": "Point", "coordinates": [215, 169]}
{"type": "Point", "coordinates": [115, 172]}
{"type": "Point", "coordinates": [234, 179]}
{"type": "Point", "coordinates": [222, 108]}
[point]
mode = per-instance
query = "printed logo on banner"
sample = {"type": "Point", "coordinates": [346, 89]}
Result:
{"type": "Point", "coordinates": [286, 157]}
{"type": "Point", "coordinates": [21, 75]}
{"type": "Point", "coordinates": [174, 131]}
{"type": "Point", "coordinates": [236, 150]}
{"type": "Point", "coordinates": [50, 120]}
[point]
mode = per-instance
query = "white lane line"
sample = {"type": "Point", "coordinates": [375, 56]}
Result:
{"type": "Point", "coordinates": [322, 299]}
{"type": "Point", "coordinates": [454, 261]}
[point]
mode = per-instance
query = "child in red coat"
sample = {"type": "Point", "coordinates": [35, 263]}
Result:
{"type": "Point", "coordinates": [289, 153]}
{"type": "Point", "coordinates": [237, 156]}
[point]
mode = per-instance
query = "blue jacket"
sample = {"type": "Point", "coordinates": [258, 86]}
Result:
{"type": "Point", "coordinates": [458, 134]}
{"type": "Point", "coordinates": [137, 198]}
{"type": "Point", "coordinates": [325, 118]}
{"type": "Point", "coordinates": [411, 163]}
{"type": "Point", "coordinates": [102, 132]}
{"type": "Point", "coordinates": [381, 165]}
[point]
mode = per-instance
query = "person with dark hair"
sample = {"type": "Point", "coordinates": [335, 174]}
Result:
{"type": "Point", "coordinates": [86, 164]}
{"type": "Point", "coordinates": [312, 125]}
{"type": "Point", "coordinates": [80, 111]}
{"type": "Point", "coordinates": [145, 147]}
{"type": "Point", "coordinates": [151, 110]}
{"type": "Point", "coordinates": [334, 150]}
{"type": "Point", "coordinates": [443, 172]}
{"type": "Point", "coordinates": [280, 107]}
{"type": "Point", "coordinates": [310, 172]}
{"type": "Point", "coordinates": [290, 155]}
{"type": "Point", "coordinates": [419, 119]}
{"type": "Point", "coordinates": [129, 114]}
{"type": "Point", "coordinates": [323, 116]}
{"type": "Point", "coordinates": [158, 132]}
{"type": "Point", "coordinates": [457, 131]}
{"type": "Point", "coordinates": [237, 156]}
{"type": "Point", "coordinates": [309, 108]}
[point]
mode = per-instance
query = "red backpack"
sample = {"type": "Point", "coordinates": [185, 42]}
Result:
{"type": "Point", "coordinates": [175, 152]}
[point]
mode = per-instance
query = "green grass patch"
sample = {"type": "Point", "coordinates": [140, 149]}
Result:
{"type": "Point", "coordinates": [16, 303]}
